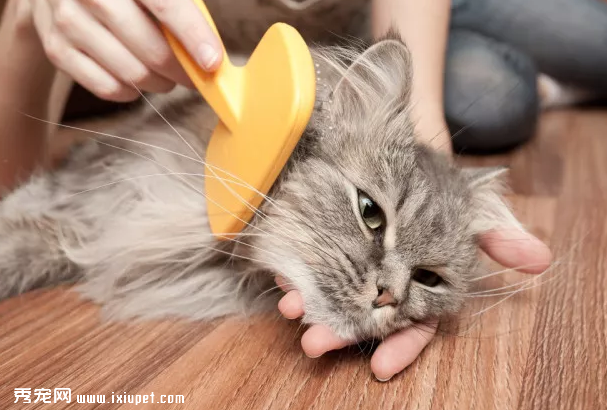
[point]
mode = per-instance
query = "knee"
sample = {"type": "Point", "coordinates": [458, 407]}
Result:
{"type": "Point", "coordinates": [491, 100]}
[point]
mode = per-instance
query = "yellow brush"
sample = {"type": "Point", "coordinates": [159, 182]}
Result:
{"type": "Point", "coordinates": [263, 109]}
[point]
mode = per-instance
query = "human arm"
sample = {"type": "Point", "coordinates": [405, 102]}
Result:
{"type": "Point", "coordinates": [424, 27]}
{"type": "Point", "coordinates": [27, 84]}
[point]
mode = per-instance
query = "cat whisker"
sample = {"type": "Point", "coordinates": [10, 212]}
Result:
{"type": "Point", "coordinates": [267, 198]}
{"type": "Point", "coordinates": [239, 197]}
{"type": "Point", "coordinates": [173, 173]}
{"type": "Point", "coordinates": [273, 288]}
{"type": "Point", "coordinates": [362, 351]}
{"type": "Point", "coordinates": [314, 246]}
{"type": "Point", "coordinates": [296, 334]}
{"type": "Point", "coordinates": [293, 239]}
{"type": "Point", "coordinates": [538, 276]}
{"type": "Point", "coordinates": [274, 254]}
{"type": "Point", "coordinates": [552, 265]}
{"type": "Point", "coordinates": [325, 267]}
{"type": "Point", "coordinates": [504, 299]}
{"type": "Point", "coordinates": [427, 333]}
{"type": "Point", "coordinates": [105, 134]}
{"type": "Point", "coordinates": [150, 159]}
{"type": "Point", "coordinates": [372, 345]}
{"type": "Point", "coordinates": [134, 179]}
{"type": "Point", "coordinates": [526, 286]}
{"type": "Point", "coordinates": [504, 271]}
{"type": "Point", "coordinates": [212, 168]}
{"type": "Point", "coordinates": [512, 285]}
{"type": "Point", "coordinates": [168, 123]}
{"type": "Point", "coordinates": [307, 234]}
{"type": "Point", "coordinates": [183, 180]}
{"type": "Point", "coordinates": [286, 282]}
{"type": "Point", "coordinates": [323, 237]}
{"type": "Point", "coordinates": [134, 153]}
{"type": "Point", "coordinates": [497, 303]}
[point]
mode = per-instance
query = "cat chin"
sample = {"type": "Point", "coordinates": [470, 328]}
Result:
{"type": "Point", "coordinates": [379, 324]}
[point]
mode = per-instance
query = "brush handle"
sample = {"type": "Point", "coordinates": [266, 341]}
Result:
{"type": "Point", "coordinates": [223, 89]}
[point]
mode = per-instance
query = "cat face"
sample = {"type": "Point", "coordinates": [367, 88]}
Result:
{"type": "Point", "coordinates": [375, 230]}
{"type": "Point", "coordinates": [371, 251]}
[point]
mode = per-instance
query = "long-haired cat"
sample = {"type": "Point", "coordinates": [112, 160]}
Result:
{"type": "Point", "coordinates": [375, 230]}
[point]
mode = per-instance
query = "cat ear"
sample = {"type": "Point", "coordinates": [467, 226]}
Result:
{"type": "Point", "coordinates": [487, 187]}
{"type": "Point", "coordinates": [381, 75]}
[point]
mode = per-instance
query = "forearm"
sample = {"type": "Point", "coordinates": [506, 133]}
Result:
{"type": "Point", "coordinates": [424, 26]}
{"type": "Point", "coordinates": [26, 83]}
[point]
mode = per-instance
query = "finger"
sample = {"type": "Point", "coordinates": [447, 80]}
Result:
{"type": "Point", "coordinates": [89, 74]}
{"type": "Point", "coordinates": [78, 66]}
{"type": "Point", "coordinates": [399, 350]}
{"type": "Point", "coordinates": [136, 30]}
{"type": "Point", "coordinates": [291, 305]}
{"type": "Point", "coordinates": [94, 40]}
{"type": "Point", "coordinates": [514, 248]}
{"type": "Point", "coordinates": [319, 339]}
{"type": "Point", "coordinates": [186, 22]}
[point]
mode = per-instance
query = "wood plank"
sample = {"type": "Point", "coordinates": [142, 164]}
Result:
{"type": "Point", "coordinates": [569, 365]}
{"type": "Point", "coordinates": [538, 349]}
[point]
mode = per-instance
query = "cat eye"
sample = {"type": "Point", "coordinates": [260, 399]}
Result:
{"type": "Point", "coordinates": [427, 277]}
{"type": "Point", "coordinates": [370, 212]}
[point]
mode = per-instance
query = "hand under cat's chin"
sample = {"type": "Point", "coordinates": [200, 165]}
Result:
{"type": "Point", "coordinates": [400, 349]}
{"type": "Point", "coordinates": [393, 355]}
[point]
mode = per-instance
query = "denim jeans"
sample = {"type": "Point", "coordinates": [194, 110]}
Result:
{"type": "Point", "coordinates": [496, 50]}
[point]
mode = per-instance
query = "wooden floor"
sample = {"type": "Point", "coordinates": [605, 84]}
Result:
{"type": "Point", "coordinates": [544, 348]}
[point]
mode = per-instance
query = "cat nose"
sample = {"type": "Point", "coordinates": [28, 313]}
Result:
{"type": "Point", "coordinates": [384, 298]}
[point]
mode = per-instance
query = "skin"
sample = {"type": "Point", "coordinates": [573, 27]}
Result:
{"type": "Point", "coordinates": [22, 143]}
{"type": "Point", "coordinates": [110, 47]}
{"type": "Point", "coordinates": [423, 26]}
{"type": "Point", "coordinates": [84, 38]}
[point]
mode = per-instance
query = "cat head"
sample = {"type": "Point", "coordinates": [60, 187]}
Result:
{"type": "Point", "coordinates": [374, 229]}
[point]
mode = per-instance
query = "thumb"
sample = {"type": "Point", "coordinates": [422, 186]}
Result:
{"type": "Point", "coordinates": [189, 25]}
{"type": "Point", "coordinates": [516, 249]}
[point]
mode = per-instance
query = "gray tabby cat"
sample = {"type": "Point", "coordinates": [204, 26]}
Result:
{"type": "Point", "coordinates": [375, 230]}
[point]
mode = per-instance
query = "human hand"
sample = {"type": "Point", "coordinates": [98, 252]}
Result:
{"type": "Point", "coordinates": [511, 248]}
{"type": "Point", "coordinates": [111, 47]}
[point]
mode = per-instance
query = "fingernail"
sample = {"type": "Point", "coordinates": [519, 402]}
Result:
{"type": "Point", "coordinates": [383, 380]}
{"type": "Point", "coordinates": [313, 357]}
{"type": "Point", "coordinates": [207, 56]}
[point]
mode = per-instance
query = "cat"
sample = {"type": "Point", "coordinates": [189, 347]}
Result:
{"type": "Point", "coordinates": [376, 230]}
